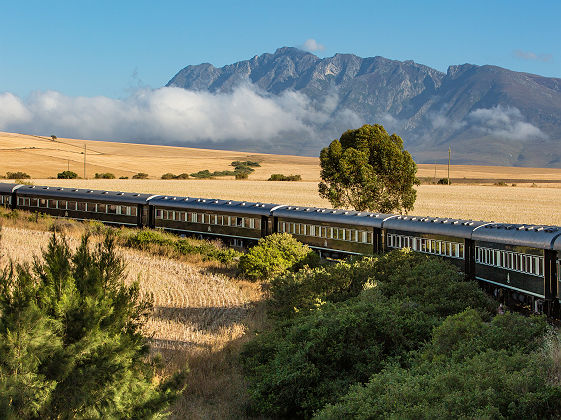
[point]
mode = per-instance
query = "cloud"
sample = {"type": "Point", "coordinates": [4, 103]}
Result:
{"type": "Point", "coordinates": [312, 45]}
{"type": "Point", "coordinates": [504, 122]}
{"type": "Point", "coordinates": [172, 115]}
{"type": "Point", "coordinates": [531, 56]}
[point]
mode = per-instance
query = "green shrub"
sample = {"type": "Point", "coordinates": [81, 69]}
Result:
{"type": "Point", "coordinates": [296, 369]}
{"type": "Point", "coordinates": [250, 163]}
{"type": "Point", "coordinates": [242, 175]}
{"type": "Point", "coordinates": [123, 177]}
{"type": "Point", "coordinates": [67, 175]}
{"type": "Point", "coordinates": [105, 175]}
{"type": "Point", "coordinates": [205, 174]}
{"type": "Point", "coordinates": [501, 184]}
{"type": "Point", "coordinates": [443, 181]}
{"type": "Point", "coordinates": [172, 176]}
{"type": "Point", "coordinates": [17, 175]}
{"type": "Point", "coordinates": [140, 175]}
{"type": "Point", "coordinates": [281, 177]}
{"type": "Point", "coordinates": [275, 254]}
{"type": "Point", "coordinates": [470, 369]}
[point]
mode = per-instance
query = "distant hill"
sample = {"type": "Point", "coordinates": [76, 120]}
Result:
{"type": "Point", "coordinates": [488, 114]}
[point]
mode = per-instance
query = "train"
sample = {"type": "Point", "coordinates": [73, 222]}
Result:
{"type": "Point", "coordinates": [518, 263]}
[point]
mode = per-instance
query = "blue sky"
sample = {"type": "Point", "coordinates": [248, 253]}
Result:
{"type": "Point", "coordinates": [110, 48]}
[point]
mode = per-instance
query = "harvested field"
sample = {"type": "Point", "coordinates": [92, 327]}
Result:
{"type": "Point", "coordinates": [520, 204]}
{"type": "Point", "coordinates": [201, 316]}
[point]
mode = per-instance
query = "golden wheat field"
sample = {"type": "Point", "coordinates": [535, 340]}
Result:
{"type": "Point", "coordinates": [41, 157]}
{"type": "Point", "coordinates": [199, 315]}
{"type": "Point", "coordinates": [520, 204]}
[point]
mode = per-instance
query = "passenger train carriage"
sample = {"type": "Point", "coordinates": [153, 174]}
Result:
{"type": "Point", "coordinates": [243, 223]}
{"type": "Point", "coordinates": [519, 262]}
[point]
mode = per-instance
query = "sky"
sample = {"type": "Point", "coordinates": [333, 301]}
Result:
{"type": "Point", "coordinates": [112, 47]}
{"type": "Point", "coordinates": [96, 68]}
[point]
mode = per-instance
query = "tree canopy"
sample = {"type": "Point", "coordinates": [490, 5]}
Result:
{"type": "Point", "coordinates": [368, 169]}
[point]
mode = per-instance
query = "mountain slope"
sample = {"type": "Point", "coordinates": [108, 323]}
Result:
{"type": "Point", "coordinates": [488, 114]}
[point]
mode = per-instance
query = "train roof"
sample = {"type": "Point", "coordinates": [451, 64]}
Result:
{"type": "Point", "coordinates": [227, 206]}
{"type": "Point", "coordinates": [557, 246]}
{"type": "Point", "coordinates": [534, 236]}
{"type": "Point", "coordinates": [84, 194]}
{"type": "Point", "coordinates": [7, 187]}
{"type": "Point", "coordinates": [316, 214]}
{"type": "Point", "coordinates": [444, 226]}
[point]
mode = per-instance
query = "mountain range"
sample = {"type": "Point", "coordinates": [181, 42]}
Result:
{"type": "Point", "coordinates": [486, 114]}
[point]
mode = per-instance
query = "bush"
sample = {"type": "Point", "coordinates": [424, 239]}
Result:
{"type": "Point", "coordinates": [17, 175]}
{"type": "Point", "coordinates": [338, 325]}
{"type": "Point", "coordinates": [140, 175]}
{"type": "Point", "coordinates": [205, 174]}
{"type": "Point", "coordinates": [250, 163]}
{"type": "Point", "coordinates": [275, 254]}
{"type": "Point", "coordinates": [169, 175]}
{"type": "Point", "coordinates": [106, 175]}
{"type": "Point", "coordinates": [443, 181]}
{"type": "Point", "coordinates": [470, 369]}
{"type": "Point", "coordinates": [67, 175]}
{"type": "Point", "coordinates": [123, 177]}
{"type": "Point", "coordinates": [242, 175]}
{"type": "Point", "coordinates": [295, 370]}
{"type": "Point", "coordinates": [500, 184]}
{"type": "Point", "coordinates": [281, 177]}
{"type": "Point", "coordinates": [71, 340]}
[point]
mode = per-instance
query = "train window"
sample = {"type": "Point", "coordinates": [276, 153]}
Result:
{"type": "Point", "coordinates": [461, 250]}
{"type": "Point", "coordinates": [71, 205]}
{"type": "Point", "coordinates": [102, 208]}
{"type": "Point", "coordinates": [42, 202]}
{"type": "Point", "coordinates": [90, 206]}
{"type": "Point", "coordinates": [134, 211]}
{"type": "Point", "coordinates": [33, 202]}
{"type": "Point", "coordinates": [62, 204]}
{"type": "Point", "coordinates": [20, 201]}
{"type": "Point", "coordinates": [159, 214]}
{"type": "Point", "coordinates": [81, 206]}
{"type": "Point", "coordinates": [51, 204]}
{"type": "Point", "coordinates": [111, 209]}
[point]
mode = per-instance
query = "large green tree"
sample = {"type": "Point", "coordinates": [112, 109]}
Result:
{"type": "Point", "coordinates": [71, 343]}
{"type": "Point", "coordinates": [368, 169]}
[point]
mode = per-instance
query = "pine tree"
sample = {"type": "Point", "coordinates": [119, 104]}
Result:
{"type": "Point", "coordinates": [70, 339]}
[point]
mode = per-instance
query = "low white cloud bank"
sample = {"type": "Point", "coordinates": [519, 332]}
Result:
{"type": "Point", "coordinates": [178, 116]}
{"type": "Point", "coordinates": [504, 122]}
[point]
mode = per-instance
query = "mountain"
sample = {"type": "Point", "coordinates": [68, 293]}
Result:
{"type": "Point", "coordinates": [487, 114]}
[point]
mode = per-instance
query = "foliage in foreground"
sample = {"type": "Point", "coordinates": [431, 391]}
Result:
{"type": "Point", "coordinates": [311, 359]}
{"type": "Point", "coordinates": [470, 369]}
{"type": "Point", "coordinates": [275, 254]}
{"type": "Point", "coordinates": [70, 339]}
{"type": "Point", "coordinates": [367, 169]}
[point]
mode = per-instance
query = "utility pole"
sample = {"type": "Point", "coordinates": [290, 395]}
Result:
{"type": "Point", "coordinates": [68, 169]}
{"type": "Point", "coordinates": [449, 154]}
{"type": "Point", "coordinates": [85, 151]}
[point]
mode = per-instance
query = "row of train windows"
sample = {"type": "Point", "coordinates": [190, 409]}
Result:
{"type": "Point", "coordinates": [428, 246]}
{"type": "Point", "coordinates": [77, 206]}
{"type": "Point", "coordinates": [341, 234]}
{"type": "Point", "coordinates": [5, 200]}
{"type": "Point", "coordinates": [208, 219]}
{"type": "Point", "coordinates": [524, 263]}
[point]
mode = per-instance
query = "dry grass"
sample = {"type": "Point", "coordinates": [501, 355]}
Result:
{"type": "Point", "coordinates": [201, 316]}
{"type": "Point", "coordinates": [42, 158]}
{"type": "Point", "coordinates": [521, 204]}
